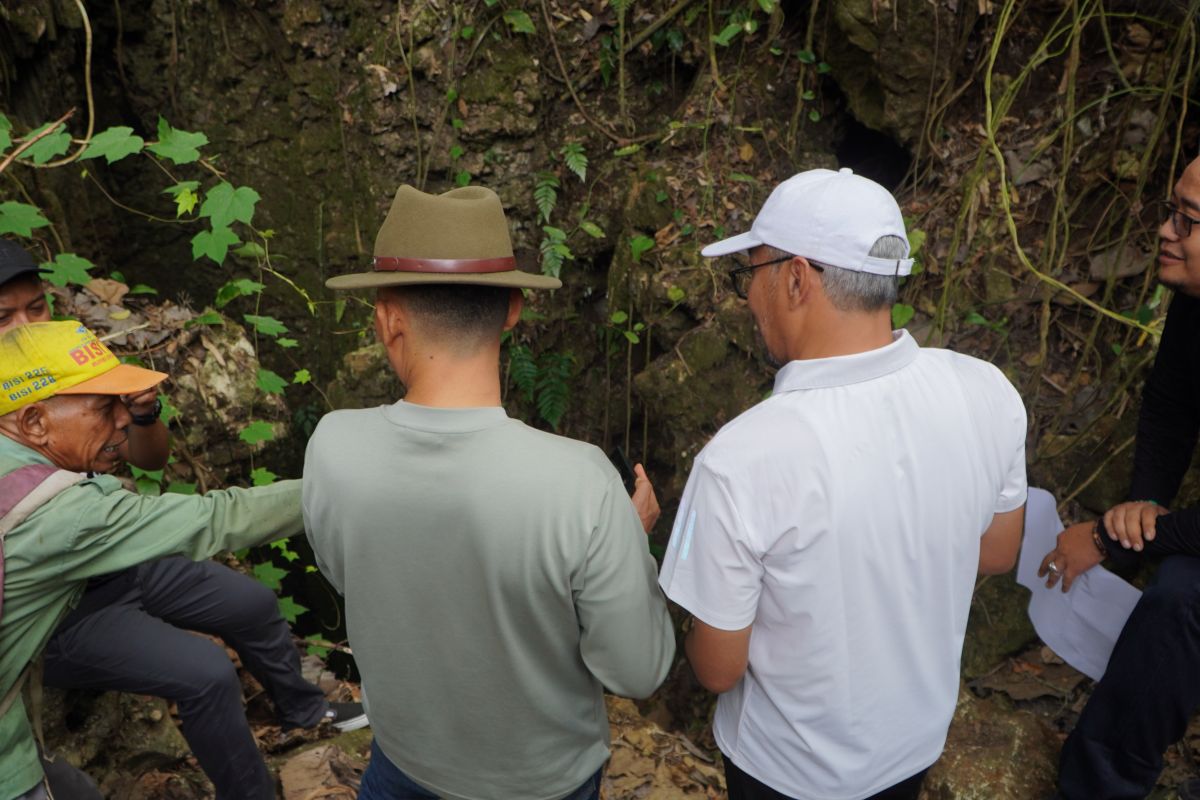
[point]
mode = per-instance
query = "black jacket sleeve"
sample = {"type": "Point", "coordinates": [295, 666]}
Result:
{"type": "Point", "coordinates": [1177, 533]}
{"type": "Point", "coordinates": [1170, 416]}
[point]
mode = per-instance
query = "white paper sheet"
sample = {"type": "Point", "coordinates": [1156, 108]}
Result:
{"type": "Point", "coordinates": [1082, 625]}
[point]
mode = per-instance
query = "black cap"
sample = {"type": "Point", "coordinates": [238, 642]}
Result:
{"type": "Point", "coordinates": [14, 260]}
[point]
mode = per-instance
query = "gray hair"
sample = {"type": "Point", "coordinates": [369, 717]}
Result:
{"type": "Point", "coordinates": [853, 290]}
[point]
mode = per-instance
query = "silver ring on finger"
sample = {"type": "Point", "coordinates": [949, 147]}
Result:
{"type": "Point", "coordinates": [1052, 567]}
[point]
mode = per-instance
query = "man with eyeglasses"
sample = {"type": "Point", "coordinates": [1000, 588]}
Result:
{"type": "Point", "coordinates": [1150, 689]}
{"type": "Point", "coordinates": [828, 539]}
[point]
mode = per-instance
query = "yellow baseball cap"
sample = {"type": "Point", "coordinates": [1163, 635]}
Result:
{"type": "Point", "coordinates": [44, 359]}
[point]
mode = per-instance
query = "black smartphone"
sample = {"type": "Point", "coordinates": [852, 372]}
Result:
{"type": "Point", "coordinates": [624, 468]}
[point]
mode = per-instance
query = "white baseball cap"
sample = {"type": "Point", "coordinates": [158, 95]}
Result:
{"type": "Point", "coordinates": [833, 218]}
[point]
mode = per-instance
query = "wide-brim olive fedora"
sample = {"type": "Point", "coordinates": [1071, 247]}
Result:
{"type": "Point", "coordinates": [460, 236]}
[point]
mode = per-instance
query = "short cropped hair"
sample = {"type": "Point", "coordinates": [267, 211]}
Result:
{"type": "Point", "coordinates": [461, 315]}
{"type": "Point", "coordinates": [854, 290]}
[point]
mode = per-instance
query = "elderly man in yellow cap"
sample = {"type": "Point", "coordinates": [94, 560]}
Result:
{"type": "Point", "coordinates": [497, 577]}
{"type": "Point", "coordinates": [62, 520]}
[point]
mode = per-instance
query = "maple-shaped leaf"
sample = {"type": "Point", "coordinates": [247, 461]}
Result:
{"type": "Point", "coordinates": [302, 376]}
{"type": "Point", "coordinates": [224, 205]}
{"type": "Point", "coordinates": [261, 476]}
{"type": "Point", "coordinates": [20, 218]}
{"type": "Point", "coordinates": [215, 244]}
{"type": "Point", "coordinates": [185, 196]}
{"type": "Point", "coordinates": [269, 575]}
{"type": "Point", "coordinates": [257, 431]}
{"type": "Point", "coordinates": [67, 268]}
{"type": "Point", "coordinates": [181, 147]}
{"type": "Point", "coordinates": [271, 382]}
{"type": "Point", "coordinates": [237, 288]}
{"type": "Point", "coordinates": [268, 326]}
{"type": "Point", "coordinates": [519, 21]}
{"type": "Point", "coordinates": [114, 144]}
{"type": "Point", "coordinates": [5, 133]}
{"type": "Point", "coordinates": [289, 609]}
{"type": "Point", "coordinates": [53, 144]}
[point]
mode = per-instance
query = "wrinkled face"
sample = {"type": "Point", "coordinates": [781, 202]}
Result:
{"type": "Point", "coordinates": [86, 432]}
{"type": "Point", "coordinates": [1179, 257]}
{"type": "Point", "coordinates": [763, 296]}
{"type": "Point", "coordinates": [22, 300]}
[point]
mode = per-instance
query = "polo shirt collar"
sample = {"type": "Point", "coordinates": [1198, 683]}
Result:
{"type": "Point", "coordinates": [825, 373]}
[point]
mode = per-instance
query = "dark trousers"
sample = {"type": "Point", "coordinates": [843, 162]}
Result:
{"type": "Point", "coordinates": [743, 787]}
{"type": "Point", "coordinates": [1147, 694]}
{"type": "Point", "coordinates": [128, 635]}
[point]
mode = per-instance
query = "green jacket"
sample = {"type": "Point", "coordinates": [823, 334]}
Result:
{"type": "Point", "coordinates": [94, 528]}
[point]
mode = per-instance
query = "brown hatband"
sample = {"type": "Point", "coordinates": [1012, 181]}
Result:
{"type": "Point", "coordinates": [452, 265]}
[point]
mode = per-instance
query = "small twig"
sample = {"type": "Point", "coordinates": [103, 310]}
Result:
{"type": "Point", "coordinates": [32, 140]}
{"type": "Point", "coordinates": [87, 84]}
{"type": "Point", "coordinates": [110, 336]}
{"type": "Point", "coordinates": [666, 17]}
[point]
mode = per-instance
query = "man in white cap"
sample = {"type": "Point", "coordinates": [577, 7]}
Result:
{"type": "Point", "coordinates": [828, 539]}
{"type": "Point", "coordinates": [497, 577]}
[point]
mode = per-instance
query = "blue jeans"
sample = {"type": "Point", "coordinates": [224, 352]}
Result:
{"type": "Point", "coordinates": [383, 780]}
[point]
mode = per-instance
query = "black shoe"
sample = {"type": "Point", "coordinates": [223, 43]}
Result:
{"type": "Point", "coordinates": [347, 716]}
{"type": "Point", "coordinates": [1190, 790]}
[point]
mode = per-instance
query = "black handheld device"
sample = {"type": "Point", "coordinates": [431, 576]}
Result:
{"type": "Point", "coordinates": [624, 468]}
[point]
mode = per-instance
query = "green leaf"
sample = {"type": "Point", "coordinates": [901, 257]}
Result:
{"type": "Point", "coordinates": [185, 196]}
{"type": "Point", "coordinates": [181, 147]}
{"type": "Point", "coordinates": [767, 6]}
{"type": "Point", "coordinates": [142, 288]}
{"type": "Point", "coordinates": [806, 56]}
{"type": "Point", "coordinates": [553, 386]}
{"type": "Point", "coordinates": [808, 94]}
{"type": "Point", "coordinates": [53, 144]}
{"type": "Point", "coordinates": [250, 250]}
{"type": "Point", "coordinates": [288, 553]}
{"type": "Point", "coordinates": [269, 575]}
{"type": "Point", "coordinates": [814, 115]}
{"type": "Point", "coordinates": [268, 326]}
{"type": "Point", "coordinates": [742, 177]}
{"type": "Point", "coordinates": [257, 431]}
{"type": "Point", "coordinates": [545, 196]}
{"type": "Point", "coordinates": [618, 317]}
{"type": "Point", "coordinates": [147, 486]}
{"type": "Point", "coordinates": [675, 294]}
{"type": "Point", "coordinates": [975, 318]}
{"type": "Point", "coordinates": [639, 245]}
{"type": "Point", "coordinates": [114, 144]}
{"type": "Point", "coordinates": [901, 314]}
{"type": "Point", "coordinates": [451, 94]}
{"type": "Point", "coordinates": [575, 159]}
{"type": "Point", "coordinates": [519, 21]}
{"type": "Point", "coordinates": [214, 244]}
{"type": "Point", "coordinates": [207, 318]}
{"type": "Point", "coordinates": [289, 609]}
{"type": "Point", "coordinates": [224, 205]}
{"type": "Point", "coordinates": [169, 412]}
{"type": "Point", "coordinates": [284, 342]}
{"type": "Point", "coordinates": [271, 382]}
{"type": "Point", "coordinates": [556, 235]}
{"type": "Point", "coordinates": [302, 375]}
{"type": "Point", "coordinates": [316, 649]}
{"type": "Point", "coordinates": [5, 133]}
{"type": "Point", "coordinates": [67, 268]}
{"type": "Point", "coordinates": [627, 150]}
{"type": "Point", "coordinates": [238, 288]}
{"type": "Point", "coordinates": [456, 152]}
{"type": "Point", "coordinates": [727, 34]}
{"type": "Point", "coordinates": [522, 369]}
{"type": "Point", "coordinates": [916, 238]}
{"type": "Point", "coordinates": [462, 178]}
{"type": "Point", "coordinates": [631, 336]}
{"type": "Point", "coordinates": [179, 487]}
{"type": "Point", "coordinates": [823, 68]}
{"type": "Point", "coordinates": [591, 229]}
{"type": "Point", "coordinates": [467, 32]}
{"type": "Point", "coordinates": [20, 218]}
{"type": "Point", "coordinates": [261, 476]}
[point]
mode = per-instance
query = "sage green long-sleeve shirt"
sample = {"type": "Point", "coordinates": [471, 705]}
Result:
{"type": "Point", "coordinates": [94, 528]}
{"type": "Point", "coordinates": [497, 579]}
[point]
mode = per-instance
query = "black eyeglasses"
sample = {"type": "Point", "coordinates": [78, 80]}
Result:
{"type": "Point", "coordinates": [739, 277]}
{"type": "Point", "coordinates": [1180, 221]}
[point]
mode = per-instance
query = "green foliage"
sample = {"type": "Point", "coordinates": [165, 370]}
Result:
{"type": "Point", "coordinates": [554, 250]}
{"type": "Point", "coordinates": [147, 481]}
{"type": "Point", "coordinates": [269, 575]}
{"type": "Point", "coordinates": [224, 205]}
{"type": "Point", "coordinates": [518, 21]}
{"type": "Point", "coordinates": [180, 147]}
{"type": "Point", "coordinates": [169, 411]}
{"type": "Point", "coordinates": [289, 609]}
{"type": "Point", "coordinates": [575, 159]}
{"type": "Point", "coordinates": [553, 386]}
{"type": "Point", "coordinates": [315, 647]}
{"type": "Point", "coordinates": [639, 244]}
{"type": "Point", "coordinates": [5, 133]}
{"type": "Point", "coordinates": [268, 326]}
{"type": "Point", "coordinates": [114, 144]}
{"type": "Point", "coordinates": [261, 476]}
{"type": "Point", "coordinates": [545, 194]}
{"type": "Point", "coordinates": [207, 318]}
{"type": "Point", "coordinates": [257, 431]}
{"type": "Point", "coordinates": [185, 196]}
{"type": "Point", "coordinates": [522, 368]}
{"type": "Point", "coordinates": [237, 288]}
{"type": "Point", "coordinates": [591, 229]}
{"type": "Point", "coordinates": [270, 382]}
{"type": "Point", "coordinates": [67, 268]}
{"type": "Point", "coordinates": [213, 244]}
{"type": "Point", "coordinates": [301, 376]}
{"type": "Point", "coordinates": [20, 218]}
{"type": "Point", "coordinates": [55, 143]}
{"type": "Point", "coordinates": [901, 314]}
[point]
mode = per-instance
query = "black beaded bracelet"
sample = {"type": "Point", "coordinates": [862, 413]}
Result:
{"type": "Point", "coordinates": [144, 420]}
{"type": "Point", "coordinates": [1100, 536]}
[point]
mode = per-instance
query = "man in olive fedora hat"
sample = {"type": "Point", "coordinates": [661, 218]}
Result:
{"type": "Point", "coordinates": [496, 577]}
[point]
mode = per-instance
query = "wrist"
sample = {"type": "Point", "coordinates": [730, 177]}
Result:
{"type": "Point", "coordinates": [150, 417]}
{"type": "Point", "coordinates": [1100, 537]}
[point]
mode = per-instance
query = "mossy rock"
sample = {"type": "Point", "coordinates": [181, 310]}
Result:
{"type": "Point", "coordinates": [998, 625]}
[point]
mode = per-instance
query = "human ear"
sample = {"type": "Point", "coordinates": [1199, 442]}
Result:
{"type": "Point", "coordinates": [516, 302]}
{"type": "Point", "coordinates": [390, 318]}
{"type": "Point", "coordinates": [799, 277]}
{"type": "Point", "coordinates": [32, 422]}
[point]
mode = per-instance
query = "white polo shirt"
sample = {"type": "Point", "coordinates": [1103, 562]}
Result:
{"type": "Point", "coordinates": [841, 517]}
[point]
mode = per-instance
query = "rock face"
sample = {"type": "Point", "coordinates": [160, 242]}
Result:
{"type": "Point", "coordinates": [994, 754]}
